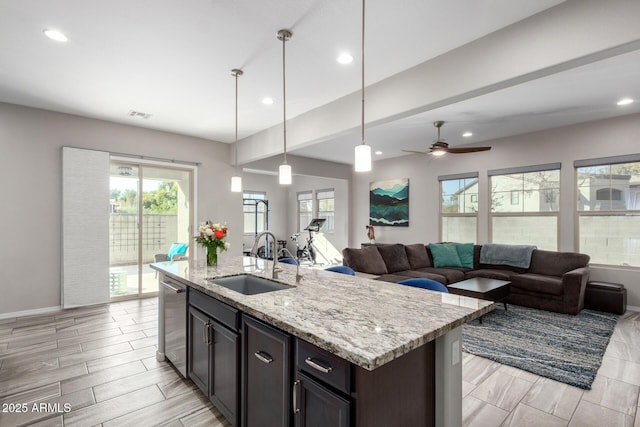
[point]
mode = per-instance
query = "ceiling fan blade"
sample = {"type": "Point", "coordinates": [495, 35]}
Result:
{"type": "Point", "coordinates": [416, 152]}
{"type": "Point", "coordinates": [467, 150]}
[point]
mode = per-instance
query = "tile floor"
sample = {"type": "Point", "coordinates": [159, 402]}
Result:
{"type": "Point", "coordinates": [96, 366]}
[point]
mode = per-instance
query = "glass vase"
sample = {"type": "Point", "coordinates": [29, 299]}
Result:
{"type": "Point", "coordinates": [212, 257]}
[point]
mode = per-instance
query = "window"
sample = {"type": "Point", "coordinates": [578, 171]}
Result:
{"type": "Point", "coordinates": [305, 209]}
{"type": "Point", "coordinates": [525, 205]}
{"type": "Point", "coordinates": [459, 207]}
{"type": "Point", "coordinates": [608, 209]}
{"type": "Point", "coordinates": [325, 201]}
{"type": "Point", "coordinates": [255, 212]}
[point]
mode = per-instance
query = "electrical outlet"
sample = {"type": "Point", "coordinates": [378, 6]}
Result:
{"type": "Point", "coordinates": [455, 352]}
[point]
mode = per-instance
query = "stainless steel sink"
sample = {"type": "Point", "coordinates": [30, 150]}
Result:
{"type": "Point", "coordinates": [249, 285]}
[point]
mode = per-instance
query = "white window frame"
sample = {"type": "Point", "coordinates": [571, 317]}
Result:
{"type": "Point", "coordinates": [324, 195]}
{"type": "Point", "coordinates": [443, 215]}
{"type": "Point", "coordinates": [300, 196]}
{"type": "Point", "coordinates": [610, 212]}
{"type": "Point", "coordinates": [524, 213]}
{"type": "Point", "coordinates": [253, 195]}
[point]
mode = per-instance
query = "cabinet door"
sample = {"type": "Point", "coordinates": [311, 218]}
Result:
{"type": "Point", "coordinates": [224, 372]}
{"type": "Point", "coordinates": [317, 406]}
{"type": "Point", "coordinates": [266, 386]}
{"type": "Point", "coordinates": [199, 338]}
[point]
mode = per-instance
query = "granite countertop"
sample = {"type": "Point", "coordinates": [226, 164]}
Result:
{"type": "Point", "coordinates": [366, 322]}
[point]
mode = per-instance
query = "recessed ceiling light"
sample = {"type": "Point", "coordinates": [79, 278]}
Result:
{"type": "Point", "coordinates": [467, 134]}
{"type": "Point", "coordinates": [345, 58]}
{"type": "Point", "coordinates": [55, 35]}
{"type": "Point", "coordinates": [378, 153]}
{"type": "Point", "coordinates": [625, 101]}
{"type": "Point", "coordinates": [267, 101]}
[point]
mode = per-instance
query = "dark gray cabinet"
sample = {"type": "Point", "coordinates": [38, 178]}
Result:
{"type": "Point", "coordinates": [266, 378]}
{"type": "Point", "coordinates": [315, 405]}
{"type": "Point", "coordinates": [214, 352]}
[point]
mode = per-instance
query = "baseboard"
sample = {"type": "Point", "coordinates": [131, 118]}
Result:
{"type": "Point", "coordinates": [30, 312]}
{"type": "Point", "coordinates": [633, 308]}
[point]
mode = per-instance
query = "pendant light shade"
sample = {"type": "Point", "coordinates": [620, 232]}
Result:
{"type": "Point", "coordinates": [284, 173]}
{"type": "Point", "coordinates": [363, 158]}
{"type": "Point", "coordinates": [236, 180]}
{"type": "Point", "coordinates": [362, 151]}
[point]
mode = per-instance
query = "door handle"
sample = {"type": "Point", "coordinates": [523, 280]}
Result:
{"type": "Point", "coordinates": [315, 365]}
{"type": "Point", "coordinates": [173, 288]}
{"type": "Point", "coordinates": [263, 357]}
{"type": "Point", "coordinates": [295, 396]}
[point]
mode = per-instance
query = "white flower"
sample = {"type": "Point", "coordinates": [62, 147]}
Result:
{"type": "Point", "coordinates": [216, 226]}
{"type": "Point", "coordinates": [227, 245]}
{"type": "Point", "coordinates": [209, 231]}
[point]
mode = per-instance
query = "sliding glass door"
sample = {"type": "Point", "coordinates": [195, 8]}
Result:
{"type": "Point", "coordinates": [150, 209]}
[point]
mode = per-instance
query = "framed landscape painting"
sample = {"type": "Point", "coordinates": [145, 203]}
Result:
{"type": "Point", "coordinates": [389, 203]}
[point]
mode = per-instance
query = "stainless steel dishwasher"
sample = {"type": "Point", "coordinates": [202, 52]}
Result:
{"type": "Point", "coordinates": [175, 324]}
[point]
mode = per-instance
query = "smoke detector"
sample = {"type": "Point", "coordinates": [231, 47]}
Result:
{"type": "Point", "coordinates": [139, 114]}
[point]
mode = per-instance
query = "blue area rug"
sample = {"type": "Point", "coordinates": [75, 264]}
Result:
{"type": "Point", "coordinates": [562, 347]}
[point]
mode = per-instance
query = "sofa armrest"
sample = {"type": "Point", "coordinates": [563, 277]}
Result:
{"type": "Point", "coordinates": [574, 284]}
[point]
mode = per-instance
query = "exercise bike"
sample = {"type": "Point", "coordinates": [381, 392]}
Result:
{"type": "Point", "coordinates": [307, 251]}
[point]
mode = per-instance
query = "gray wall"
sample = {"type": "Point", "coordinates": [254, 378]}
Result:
{"type": "Point", "coordinates": [31, 143]}
{"type": "Point", "coordinates": [602, 138]}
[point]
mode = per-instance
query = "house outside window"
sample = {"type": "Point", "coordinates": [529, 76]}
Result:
{"type": "Point", "coordinates": [459, 207]}
{"type": "Point", "coordinates": [608, 209]}
{"type": "Point", "coordinates": [325, 201]}
{"type": "Point", "coordinates": [305, 209]}
{"type": "Point", "coordinates": [254, 211]}
{"type": "Point", "coordinates": [525, 205]}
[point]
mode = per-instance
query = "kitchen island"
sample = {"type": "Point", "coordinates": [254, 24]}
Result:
{"type": "Point", "coordinates": [389, 336]}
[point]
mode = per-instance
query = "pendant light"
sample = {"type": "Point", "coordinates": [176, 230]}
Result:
{"type": "Point", "coordinates": [236, 180]}
{"type": "Point", "coordinates": [363, 151]}
{"type": "Point", "coordinates": [284, 173]}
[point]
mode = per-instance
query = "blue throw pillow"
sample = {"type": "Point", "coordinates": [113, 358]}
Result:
{"type": "Point", "coordinates": [176, 249]}
{"type": "Point", "coordinates": [465, 252]}
{"type": "Point", "coordinates": [445, 255]}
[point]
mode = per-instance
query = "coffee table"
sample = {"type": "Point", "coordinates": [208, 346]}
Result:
{"type": "Point", "coordinates": [482, 288]}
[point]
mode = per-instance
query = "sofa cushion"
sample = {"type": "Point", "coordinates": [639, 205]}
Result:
{"type": "Point", "coordinates": [537, 283]}
{"type": "Point", "coordinates": [445, 255]}
{"type": "Point", "coordinates": [465, 253]}
{"type": "Point", "coordinates": [393, 278]}
{"type": "Point", "coordinates": [552, 263]}
{"type": "Point", "coordinates": [414, 274]}
{"type": "Point", "coordinates": [417, 256]}
{"type": "Point", "coordinates": [450, 274]}
{"type": "Point", "coordinates": [366, 260]}
{"type": "Point", "coordinates": [499, 274]}
{"type": "Point", "coordinates": [395, 257]}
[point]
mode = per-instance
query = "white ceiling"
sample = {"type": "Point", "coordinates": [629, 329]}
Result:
{"type": "Point", "coordinates": [173, 61]}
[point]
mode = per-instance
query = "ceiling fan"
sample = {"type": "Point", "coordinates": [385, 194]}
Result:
{"type": "Point", "coordinates": [440, 147]}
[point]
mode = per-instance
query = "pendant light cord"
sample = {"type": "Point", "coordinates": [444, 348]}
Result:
{"type": "Point", "coordinates": [236, 143]}
{"type": "Point", "coordinates": [363, 72]}
{"type": "Point", "coordinates": [284, 98]}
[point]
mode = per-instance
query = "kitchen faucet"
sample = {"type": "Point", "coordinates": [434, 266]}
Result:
{"type": "Point", "coordinates": [298, 275]}
{"type": "Point", "coordinates": [254, 250]}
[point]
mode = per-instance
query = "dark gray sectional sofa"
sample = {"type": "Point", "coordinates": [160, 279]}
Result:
{"type": "Point", "coordinates": [554, 281]}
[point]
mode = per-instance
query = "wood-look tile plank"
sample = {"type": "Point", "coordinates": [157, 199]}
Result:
{"type": "Point", "coordinates": [82, 311]}
{"type": "Point", "coordinates": [22, 341]}
{"type": "Point", "coordinates": [153, 363]}
{"type": "Point", "coordinates": [94, 336]}
{"type": "Point", "coordinates": [205, 417]}
{"type": "Point", "coordinates": [36, 394]}
{"type": "Point", "coordinates": [153, 332]}
{"type": "Point", "coordinates": [144, 342]}
{"type": "Point", "coordinates": [115, 339]}
{"type": "Point", "coordinates": [95, 354]}
{"type": "Point", "coordinates": [20, 359]}
{"type": "Point", "coordinates": [176, 386]}
{"type": "Point", "coordinates": [39, 379]}
{"type": "Point", "coordinates": [138, 327]}
{"type": "Point", "coordinates": [23, 351]}
{"type": "Point", "coordinates": [119, 359]}
{"type": "Point", "coordinates": [554, 398]}
{"type": "Point", "coordinates": [131, 383]}
{"type": "Point", "coordinates": [102, 377]}
{"type": "Point", "coordinates": [43, 410]}
{"type": "Point", "coordinates": [28, 367]}
{"type": "Point", "coordinates": [114, 408]}
{"type": "Point", "coordinates": [163, 411]}
{"type": "Point", "coordinates": [90, 328]}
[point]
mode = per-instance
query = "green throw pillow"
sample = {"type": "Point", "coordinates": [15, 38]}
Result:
{"type": "Point", "coordinates": [445, 255]}
{"type": "Point", "coordinates": [465, 252]}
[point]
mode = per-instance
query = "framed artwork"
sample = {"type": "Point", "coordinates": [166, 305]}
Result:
{"type": "Point", "coordinates": [389, 203]}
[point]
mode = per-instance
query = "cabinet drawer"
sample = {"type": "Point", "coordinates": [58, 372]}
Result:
{"type": "Point", "coordinates": [223, 313]}
{"type": "Point", "coordinates": [323, 365]}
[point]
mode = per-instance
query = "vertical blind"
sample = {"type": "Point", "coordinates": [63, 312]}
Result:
{"type": "Point", "coordinates": [85, 227]}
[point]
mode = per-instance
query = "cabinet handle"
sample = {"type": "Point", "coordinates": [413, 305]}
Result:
{"type": "Point", "coordinates": [263, 357]}
{"type": "Point", "coordinates": [295, 396]}
{"type": "Point", "coordinates": [315, 365]}
{"type": "Point", "coordinates": [204, 333]}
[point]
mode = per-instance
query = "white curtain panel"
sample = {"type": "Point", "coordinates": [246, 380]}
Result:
{"type": "Point", "coordinates": [85, 227]}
